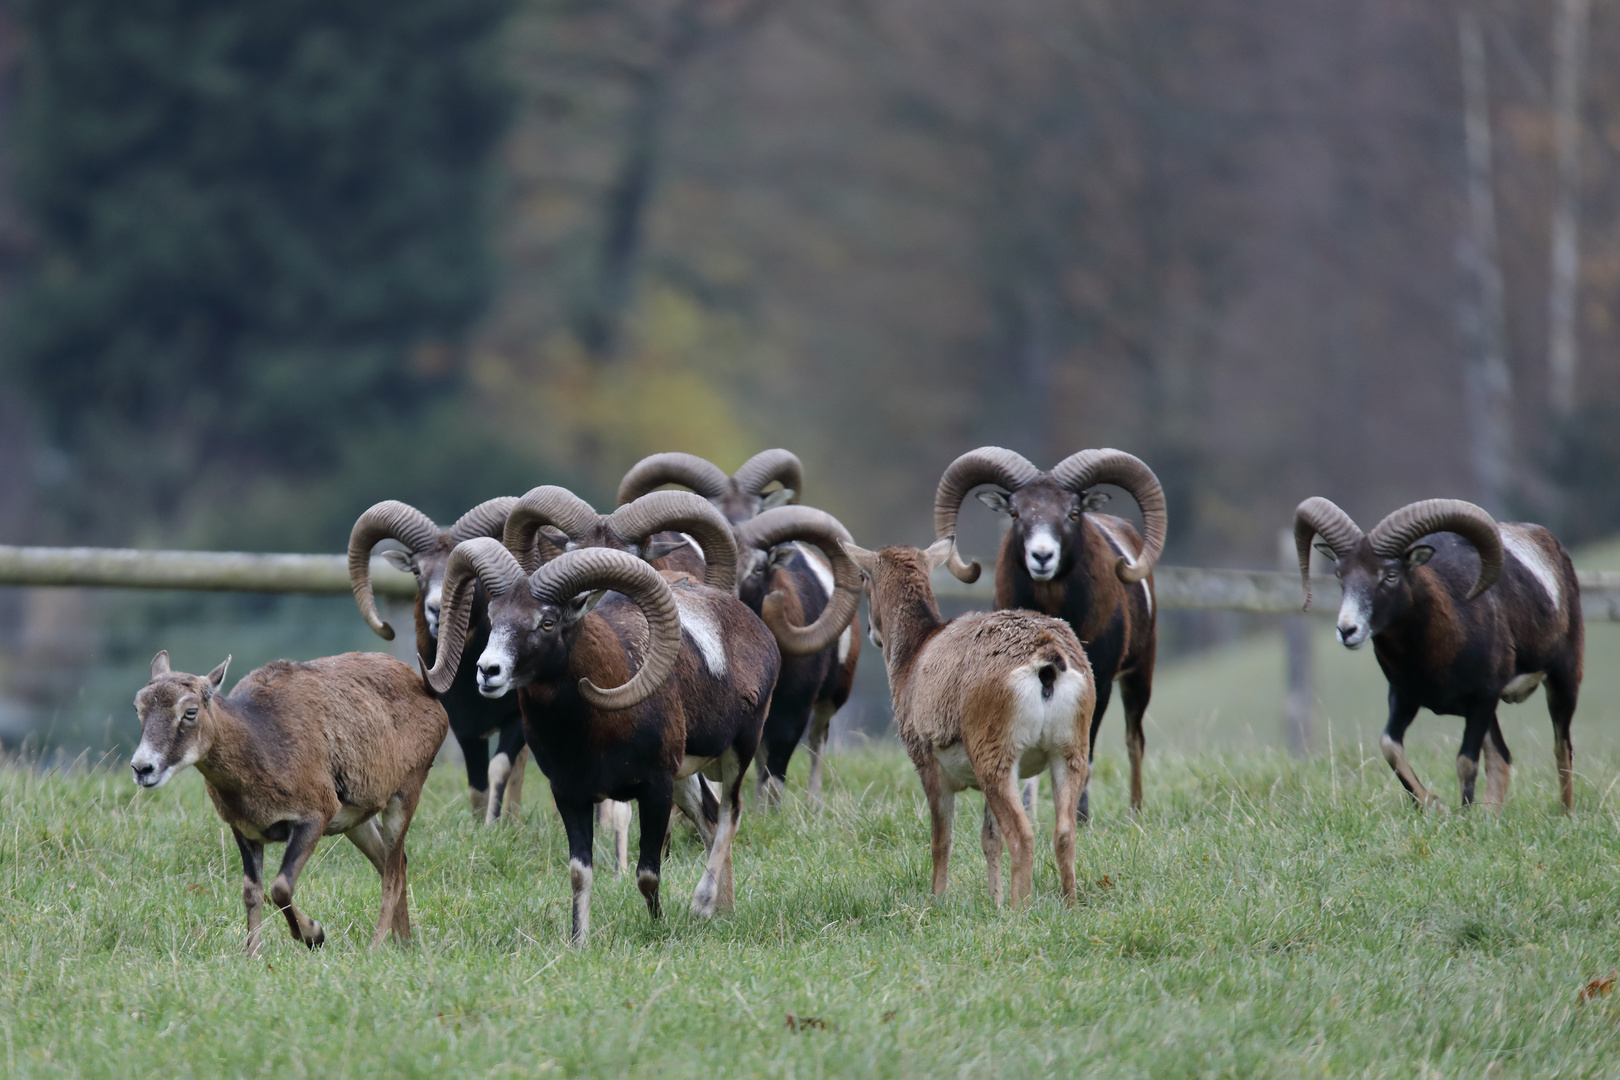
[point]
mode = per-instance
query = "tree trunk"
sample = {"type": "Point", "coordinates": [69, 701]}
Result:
{"type": "Point", "coordinates": [1569, 53]}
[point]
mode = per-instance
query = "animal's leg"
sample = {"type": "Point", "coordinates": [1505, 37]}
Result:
{"type": "Point", "coordinates": [655, 802]}
{"type": "Point", "coordinates": [715, 890]}
{"type": "Point", "coordinates": [1563, 689]}
{"type": "Point", "coordinates": [1068, 776]}
{"type": "Point", "coordinates": [252, 889]}
{"type": "Point", "coordinates": [1475, 726]}
{"type": "Point", "coordinates": [1134, 692]}
{"type": "Point", "coordinates": [392, 825]}
{"type": "Point", "coordinates": [941, 815]}
{"type": "Point", "coordinates": [1030, 791]}
{"type": "Point", "coordinates": [820, 726]}
{"type": "Point", "coordinates": [514, 783]}
{"type": "Point", "coordinates": [501, 767]}
{"type": "Point", "coordinates": [301, 841]}
{"type": "Point", "coordinates": [368, 839]}
{"type": "Point", "coordinates": [475, 751]}
{"type": "Point", "coordinates": [1001, 796]}
{"type": "Point", "coordinates": [990, 842]}
{"type": "Point", "coordinates": [1394, 748]}
{"type": "Point", "coordinates": [1498, 767]}
{"type": "Point", "coordinates": [695, 798]}
{"type": "Point", "coordinates": [1105, 689]}
{"type": "Point", "coordinates": [614, 816]}
{"type": "Point", "coordinates": [576, 818]}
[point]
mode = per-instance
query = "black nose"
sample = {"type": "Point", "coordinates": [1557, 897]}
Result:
{"type": "Point", "coordinates": [143, 771]}
{"type": "Point", "coordinates": [1348, 632]}
{"type": "Point", "coordinates": [1043, 557]}
{"type": "Point", "coordinates": [489, 671]}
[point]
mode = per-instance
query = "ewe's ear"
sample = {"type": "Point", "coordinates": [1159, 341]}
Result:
{"type": "Point", "coordinates": [1418, 556]}
{"type": "Point", "coordinates": [1328, 553]}
{"type": "Point", "coordinates": [399, 560]}
{"type": "Point", "coordinates": [862, 558]}
{"type": "Point", "coordinates": [1094, 501]}
{"type": "Point", "coordinates": [160, 663]}
{"type": "Point", "coordinates": [780, 497]}
{"type": "Point", "coordinates": [939, 552]}
{"type": "Point", "coordinates": [217, 676]}
{"type": "Point", "coordinates": [996, 500]}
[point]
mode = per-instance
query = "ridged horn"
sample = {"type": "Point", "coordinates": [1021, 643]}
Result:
{"type": "Point", "coordinates": [986, 465]}
{"type": "Point", "coordinates": [768, 465]}
{"type": "Point", "coordinates": [1317, 516]}
{"type": "Point", "coordinates": [585, 569]}
{"type": "Point", "coordinates": [785, 523]}
{"type": "Point", "coordinates": [1078, 472]}
{"type": "Point", "coordinates": [682, 511]}
{"type": "Point", "coordinates": [545, 505]}
{"type": "Point", "coordinates": [688, 470]}
{"type": "Point", "coordinates": [388, 520]}
{"type": "Point", "coordinates": [1397, 532]}
{"type": "Point", "coordinates": [488, 518]}
{"type": "Point", "coordinates": [481, 559]}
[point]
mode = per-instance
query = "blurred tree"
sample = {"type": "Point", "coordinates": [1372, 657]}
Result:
{"type": "Point", "coordinates": [262, 230]}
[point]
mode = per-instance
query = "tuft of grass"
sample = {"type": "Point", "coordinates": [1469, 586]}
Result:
{"type": "Point", "coordinates": [1261, 917]}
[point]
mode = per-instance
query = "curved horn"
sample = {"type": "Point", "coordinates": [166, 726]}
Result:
{"type": "Point", "coordinates": [481, 559]}
{"type": "Point", "coordinates": [488, 518]}
{"type": "Point", "coordinates": [1318, 517]}
{"type": "Point", "coordinates": [1397, 532]}
{"type": "Point", "coordinates": [390, 520]}
{"type": "Point", "coordinates": [682, 511]}
{"type": "Point", "coordinates": [545, 505]}
{"type": "Point", "coordinates": [1080, 471]}
{"type": "Point", "coordinates": [577, 571]}
{"type": "Point", "coordinates": [768, 465]}
{"type": "Point", "coordinates": [688, 470]}
{"type": "Point", "coordinates": [986, 465]}
{"type": "Point", "coordinates": [785, 523]}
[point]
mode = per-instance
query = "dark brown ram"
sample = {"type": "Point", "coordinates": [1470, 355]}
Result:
{"type": "Point", "coordinates": [1064, 559]}
{"type": "Point", "coordinates": [1462, 612]}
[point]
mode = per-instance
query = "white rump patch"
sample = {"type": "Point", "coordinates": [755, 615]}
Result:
{"type": "Point", "coordinates": [699, 625]}
{"type": "Point", "coordinates": [1522, 687]}
{"type": "Point", "coordinates": [1534, 559]}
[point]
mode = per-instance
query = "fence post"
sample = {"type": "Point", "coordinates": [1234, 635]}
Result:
{"type": "Point", "coordinates": [1299, 704]}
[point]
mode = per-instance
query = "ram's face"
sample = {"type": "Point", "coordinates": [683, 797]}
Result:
{"type": "Point", "coordinates": [428, 567]}
{"type": "Point", "coordinates": [1377, 590]}
{"type": "Point", "coordinates": [529, 641]}
{"type": "Point", "coordinates": [1046, 520]}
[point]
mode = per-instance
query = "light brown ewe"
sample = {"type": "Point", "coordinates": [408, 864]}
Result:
{"type": "Point", "coordinates": [979, 701]}
{"type": "Point", "coordinates": [298, 751]}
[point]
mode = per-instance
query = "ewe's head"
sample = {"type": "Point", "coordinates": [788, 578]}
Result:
{"type": "Point", "coordinates": [1047, 509]}
{"type": "Point", "coordinates": [173, 711]}
{"type": "Point", "coordinates": [895, 580]}
{"type": "Point", "coordinates": [1377, 569]}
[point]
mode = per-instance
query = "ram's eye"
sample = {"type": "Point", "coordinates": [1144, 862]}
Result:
{"type": "Point", "coordinates": [1392, 576]}
{"type": "Point", "coordinates": [548, 624]}
{"type": "Point", "coordinates": [1074, 515]}
{"type": "Point", "coordinates": [191, 713]}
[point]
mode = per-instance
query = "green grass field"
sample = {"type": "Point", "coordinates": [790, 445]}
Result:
{"type": "Point", "coordinates": [1261, 918]}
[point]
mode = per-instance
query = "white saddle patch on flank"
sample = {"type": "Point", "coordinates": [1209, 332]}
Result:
{"type": "Point", "coordinates": [1534, 559]}
{"type": "Point", "coordinates": [1522, 686]}
{"type": "Point", "coordinates": [818, 567]}
{"type": "Point", "coordinates": [699, 625]}
{"type": "Point", "coordinates": [1117, 542]}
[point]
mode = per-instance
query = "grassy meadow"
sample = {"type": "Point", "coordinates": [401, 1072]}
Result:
{"type": "Point", "coordinates": [1261, 918]}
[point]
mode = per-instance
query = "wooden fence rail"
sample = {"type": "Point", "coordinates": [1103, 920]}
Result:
{"type": "Point", "coordinates": [1176, 587]}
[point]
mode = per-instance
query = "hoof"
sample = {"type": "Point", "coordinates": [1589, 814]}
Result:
{"type": "Point", "coordinates": [703, 898]}
{"type": "Point", "coordinates": [318, 938]}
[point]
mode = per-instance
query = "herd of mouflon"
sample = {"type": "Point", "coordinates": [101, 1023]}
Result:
{"type": "Point", "coordinates": [651, 654]}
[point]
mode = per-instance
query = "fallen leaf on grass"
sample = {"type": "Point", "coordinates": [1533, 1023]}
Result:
{"type": "Point", "coordinates": [890, 1015]}
{"type": "Point", "coordinates": [1598, 988]}
{"type": "Point", "coordinates": [1106, 882]}
{"type": "Point", "coordinates": [805, 1023]}
{"type": "Point", "coordinates": [197, 887]}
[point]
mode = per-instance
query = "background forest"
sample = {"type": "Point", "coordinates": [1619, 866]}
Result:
{"type": "Point", "coordinates": [264, 264]}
